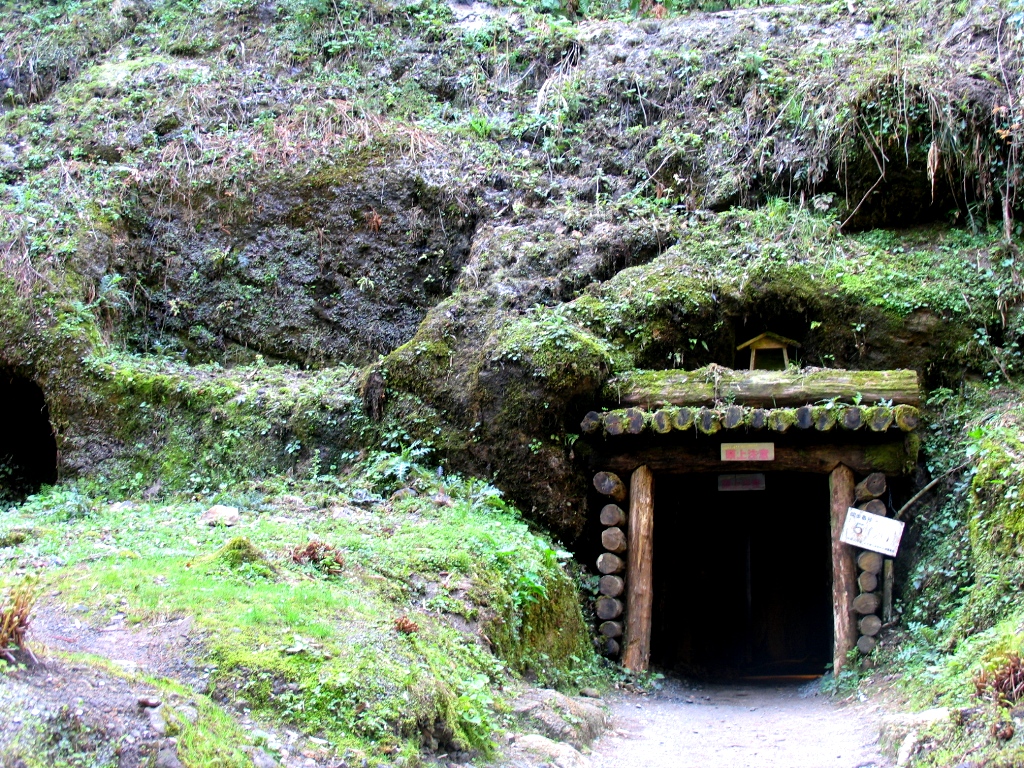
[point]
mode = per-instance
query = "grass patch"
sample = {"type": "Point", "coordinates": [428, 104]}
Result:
{"type": "Point", "coordinates": [328, 651]}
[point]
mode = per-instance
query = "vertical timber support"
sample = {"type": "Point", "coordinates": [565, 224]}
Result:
{"type": "Point", "coordinates": [844, 567]}
{"type": "Point", "coordinates": [636, 654]}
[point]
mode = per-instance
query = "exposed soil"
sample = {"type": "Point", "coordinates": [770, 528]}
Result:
{"type": "Point", "coordinates": [767, 724]}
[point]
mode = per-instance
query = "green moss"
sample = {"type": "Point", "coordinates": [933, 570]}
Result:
{"type": "Point", "coordinates": [781, 419]}
{"type": "Point", "coordinates": [555, 349]}
{"type": "Point", "coordinates": [324, 653]}
{"type": "Point", "coordinates": [14, 537]}
{"type": "Point", "coordinates": [241, 552]}
{"type": "Point", "coordinates": [896, 458]}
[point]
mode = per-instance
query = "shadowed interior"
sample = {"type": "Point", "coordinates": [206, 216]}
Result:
{"type": "Point", "coordinates": [742, 579]}
{"type": "Point", "coordinates": [28, 449]}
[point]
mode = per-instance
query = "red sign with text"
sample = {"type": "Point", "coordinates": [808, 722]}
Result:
{"type": "Point", "coordinates": [748, 451]}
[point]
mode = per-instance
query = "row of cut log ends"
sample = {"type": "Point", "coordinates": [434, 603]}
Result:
{"type": "Point", "coordinates": [633, 421]}
{"type": "Point", "coordinates": [611, 587]}
{"type": "Point", "coordinates": [868, 601]}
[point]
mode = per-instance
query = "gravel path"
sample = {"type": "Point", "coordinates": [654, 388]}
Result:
{"type": "Point", "coordinates": [756, 725]}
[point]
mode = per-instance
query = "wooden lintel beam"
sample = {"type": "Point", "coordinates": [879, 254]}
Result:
{"type": "Point", "coordinates": [891, 458]}
{"type": "Point", "coordinates": [765, 389]}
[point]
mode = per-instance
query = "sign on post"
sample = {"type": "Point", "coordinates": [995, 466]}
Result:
{"type": "Point", "coordinates": [748, 451]}
{"type": "Point", "coordinates": [874, 532]}
{"type": "Point", "coordinates": [751, 482]}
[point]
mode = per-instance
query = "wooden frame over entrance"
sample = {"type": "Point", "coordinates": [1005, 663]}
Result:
{"type": "Point", "coordinates": [756, 421]}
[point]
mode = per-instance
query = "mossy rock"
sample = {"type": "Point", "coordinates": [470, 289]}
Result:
{"type": "Point", "coordinates": [15, 537]}
{"type": "Point", "coordinates": [241, 553]}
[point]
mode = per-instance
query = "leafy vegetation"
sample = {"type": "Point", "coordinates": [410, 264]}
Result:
{"type": "Point", "coordinates": [321, 648]}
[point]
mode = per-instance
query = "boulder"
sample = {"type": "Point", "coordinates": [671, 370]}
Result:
{"type": "Point", "coordinates": [219, 514]}
{"type": "Point", "coordinates": [898, 734]}
{"type": "Point", "coordinates": [544, 751]}
{"type": "Point", "coordinates": [560, 717]}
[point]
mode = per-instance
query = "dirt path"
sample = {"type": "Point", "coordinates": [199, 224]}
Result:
{"type": "Point", "coordinates": [762, 725]}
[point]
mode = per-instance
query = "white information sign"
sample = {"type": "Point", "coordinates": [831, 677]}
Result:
{"type": "Point", "coordinates": [874, 532]}
{"type": "Point", "coordinates": [741, 482]}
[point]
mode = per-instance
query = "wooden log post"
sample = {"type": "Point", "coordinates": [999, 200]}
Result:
{"type": "Point", "coordinates": [869, 625]}
{"type": "Point", "coordinates": [591, 423]}
{"type": "Point", "coordinates": [875, 507]}
{"type": "Point", "coordinates": [853, 418]}
{"type": "Point", "coordinates": [844, 569]}
{"type": "Point", "coordinates": [609, 563]}
{"type": "Point", "coordinates": [804, 417]}
{"type": "Point", "coordinates": [866, 602]}
{"type": "Point", "coordinates": [610, 628]}
{"type": "Point", "coordinates": [614, 540]}
{"type": "Point", "coordinates": [615, 423]}
{"type": "Point", "coordinates": [733, 417]}
{"type": "Point", "coordinates": [867, 582]}
{"type": "Point", "coordinates": [870, 562]}
{"type": "Point", "coordinates": [635, 421]}
{"type": "Point", "coordinates": [612, 586]}
{"type": "Point", "coordinates": [636, 654]}
{"type": "Point", "coordinates": [612, 514]}
{"type": "Point", "coordinates": [866, 644]}
{"type": "Point", "coordinates": [661, 421]}
{"type": "Point", "coordinates": [609, 484]}
{"type": "Point", "coordinates": [871, 487]}
{"type": "Point", "coordinates": [888, 582]}
{"type": "Point", "coordinates": [608, 608]}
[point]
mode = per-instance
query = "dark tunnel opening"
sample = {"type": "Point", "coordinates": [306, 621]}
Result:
{"type": "Point", "coordinates": [742, 580]}
{"type": "Point", "coordinates": [28, 448]}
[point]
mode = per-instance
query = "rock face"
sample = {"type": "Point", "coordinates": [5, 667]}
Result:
{"type": "Point", "coordinates": [534, 749]}
{"type": "Point", "coordinates": [338, 268]}
{"type": "Point", "coordinates": [561, 718]}
{"type": "Point", "coordinates": [899, 734]}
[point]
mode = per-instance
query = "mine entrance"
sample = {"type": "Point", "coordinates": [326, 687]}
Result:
{"type": "Point", "coordinates": [742, 579]}
{"type": "Point", "coordinates": [28, 449]}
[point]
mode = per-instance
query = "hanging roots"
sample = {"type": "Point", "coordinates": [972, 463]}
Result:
{"type": "Point", "coordinates": [15, 615]}
{"type": "Point", "coordinates": [1002, 682]}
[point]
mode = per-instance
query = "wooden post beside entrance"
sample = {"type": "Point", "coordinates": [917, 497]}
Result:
{"type": "Point", "coordinates": [636, 654]}
{"type": "Point", "coordinates": [844, 567]}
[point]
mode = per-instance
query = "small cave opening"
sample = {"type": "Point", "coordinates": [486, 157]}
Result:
{"type": "Point", "coordinates": [742, 580]}
{"type": "Point", "coordinates": [28, 447]}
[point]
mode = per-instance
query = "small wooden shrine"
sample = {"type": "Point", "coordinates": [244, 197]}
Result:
{"type": "Point", "coordinates": [774, 351]}
{"type": "Point", "coordinates": [858, 428]}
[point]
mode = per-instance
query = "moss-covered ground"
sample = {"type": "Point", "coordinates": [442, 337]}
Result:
{"type": "Point", "coordinates": [221, 219]}
{"type": "Point", "coordinates": [441, 600]}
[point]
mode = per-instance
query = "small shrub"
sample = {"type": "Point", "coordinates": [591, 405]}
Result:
{"type": "Point", "coordinates": [321, 555]}
{"type": "Point", "coordinates": [406, 626]}
{"type": "Point", "coordinates": [1002, 681]}
{"type": "Point", "coordinates": [15, 615]}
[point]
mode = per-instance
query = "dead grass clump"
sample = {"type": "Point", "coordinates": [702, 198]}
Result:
{"type": "Point", "coordinates": [1002, 682]}
{"type": "Point", "coordinates": [15, 614]}
{"type": "Point", "coordinates": [406, 626]}
{"type": "Point", "coordinates": [321, 555]}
